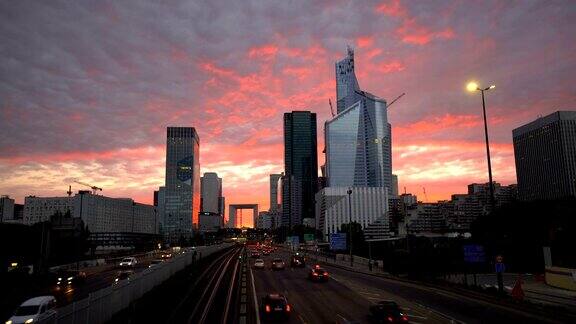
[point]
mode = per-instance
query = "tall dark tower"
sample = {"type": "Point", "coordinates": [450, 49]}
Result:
{"type": "Point", "coordinates": [300, 167]}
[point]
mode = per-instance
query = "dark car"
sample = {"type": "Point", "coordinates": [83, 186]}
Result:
{"type": "Point", "coordinates": [123, 275]}
{"type": "Point", "coordinates": [275, 306]}
{"type": "Point", "coordinates": [318, 274]}
{"type": "Point", "coordinates": [278, 264]}
{"type": "Point", "coordinates": [387, 311]}
{"type": "Point", "coordinates": [298, 260]}
{"type": "Point", "coordinates": [255, 254]}
{"type": "Point", "coordinates": [70, 277]}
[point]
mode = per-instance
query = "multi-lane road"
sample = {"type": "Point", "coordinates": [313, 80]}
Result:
{"type": "Point", "coordinates": [346, 298]}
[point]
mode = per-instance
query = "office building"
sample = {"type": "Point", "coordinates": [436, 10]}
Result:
{"type": "Point", "coordinates": [211, 188]}
{"type": "Point", "coordinates": [274, 182]}
{"type": "Point", "coordinates": [545, 155]}
{"type": "Point", "coordinates": [6, 209]}
{"type": "Point", "coordinates": [346, 82]}
{"type": "Point", "coordinates": [300, 166]}
{"type": "Point", "coordinates": [210, 222]}
{"type": "Point", "coordinates": [394, 192]}
{"type": "Point", "coordinates": [369, 206]}
{"type": "Point", "coordinates": [100, 214]}
{"type": "Point", "coordinates": [160, 207]}
{"type": "Point", "coordinates": [265, 221]}
{"type": "Point", "coordinates": [358, 139]}
{"type": "Point", "coordinates": [182, 193]}
{"type": "Point", "coordinates": [39, 209]}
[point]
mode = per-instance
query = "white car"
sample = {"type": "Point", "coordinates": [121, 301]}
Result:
{"type": "Point", "coordinates": [128, 262]}
{"type": "Point", "coordinates": [38, 309]}
{"type": "Point", "coordinates": [259, 264]}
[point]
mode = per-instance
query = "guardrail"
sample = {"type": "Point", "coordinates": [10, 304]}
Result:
{"type": "Point", "coordinates": [102, 304]}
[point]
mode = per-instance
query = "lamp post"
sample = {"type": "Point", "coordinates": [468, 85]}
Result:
{"type": "Point", "coordinates": [350, 222]}
{"type": "Point", "coordinates": [473, 86]}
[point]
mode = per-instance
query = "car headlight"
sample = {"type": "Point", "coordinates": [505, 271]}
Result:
{"type": "Point", "coordinates": [8, 322]}
{"type": "Point", "coordinates": [29, 321]}
{"type": "Point", "coordinates": [70, 278]}
{"type": "Point", "coordinates": [116, 280]}
{"type": "Point", "coordinates": [59, 278]}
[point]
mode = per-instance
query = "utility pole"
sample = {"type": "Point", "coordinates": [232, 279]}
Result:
{"type": "Point", "coordinates": [350, 223]}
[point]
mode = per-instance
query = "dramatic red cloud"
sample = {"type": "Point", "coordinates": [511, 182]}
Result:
{"type": "Point", "coordinates": [95, 104]}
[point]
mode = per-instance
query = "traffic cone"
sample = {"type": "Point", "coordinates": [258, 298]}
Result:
{"type": "Point", "coordinates": [517, 291]}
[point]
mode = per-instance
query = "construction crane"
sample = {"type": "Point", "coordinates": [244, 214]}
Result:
{"type": "Point", "coordinates": [94, 188]}
{"type": "Point", "coordinates": [331, 108]}
{"type": "Point", "coordinates": [393, 101]}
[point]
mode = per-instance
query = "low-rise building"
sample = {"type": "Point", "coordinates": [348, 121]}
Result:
{"type": "Point", "coordinates": [369, 206]}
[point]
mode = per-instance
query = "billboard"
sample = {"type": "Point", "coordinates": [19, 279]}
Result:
{"type": "Point", "coordinates": [184, 170]}
{"type": "Point", "coordinates": [337, 241]}
{"type": "Point", "coordinates": [474, 253]}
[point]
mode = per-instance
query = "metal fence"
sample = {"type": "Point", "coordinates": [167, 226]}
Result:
{"type": "Point", "coordinates": [102, 304]}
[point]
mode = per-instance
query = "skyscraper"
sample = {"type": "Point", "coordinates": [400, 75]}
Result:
{"type": "Point", "coordinates": [545, 154]}
{"type": "Point", "coordinates": [182, 195]}
{"type": "Point", "coordinates": [300, 166]}
{"type": "Point", "coordinates": [211, 188]}
{"type": "Point", "coordinates": [358, 140]}
{"type": "Point", "coordinates": [346, 82]}
{"type": "Point", "coordinates": [274, 179]}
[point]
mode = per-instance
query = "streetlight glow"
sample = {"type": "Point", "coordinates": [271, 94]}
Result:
{"type": "Point", "coordinates": [492, 86]}
{"type": "Point", "coordinates": [472, 86]}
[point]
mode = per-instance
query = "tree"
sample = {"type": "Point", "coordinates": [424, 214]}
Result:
{"type": "Point", "coordinates": [359, 246]}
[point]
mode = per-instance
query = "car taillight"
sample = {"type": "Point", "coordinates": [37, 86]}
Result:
{"type": "Point", "coordinates": [390, 319]}
{"type": "Point", "coordinates": [325, 274]}
{"type": "Point", "coordinates": [314, 274]}
{"type": "Point", "coordinates": [287, 307]}
{"type": "Point", "coordinates": [404, 318]}
{"type": "Point", "coordinates": [267, 308]}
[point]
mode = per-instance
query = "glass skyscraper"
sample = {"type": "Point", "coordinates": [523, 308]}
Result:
{"type": "Point", "coordinates": [300, 167]}
{"type": "Point", "coordinates": [358, 139]}
{"type": "Point", "coordinates": [182, 193]}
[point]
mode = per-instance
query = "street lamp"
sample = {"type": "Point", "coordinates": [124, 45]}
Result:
{"type": "Point", "coordinates": [473, 86]}
{"type": "Point", "coordinates": [350, 222]}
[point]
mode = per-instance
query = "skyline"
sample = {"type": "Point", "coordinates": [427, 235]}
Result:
{"type": "Point", "coordinates": [96, 103]}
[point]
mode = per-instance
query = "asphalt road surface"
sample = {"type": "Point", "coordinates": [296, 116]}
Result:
{"type": "Point", "coordinates": [333, 301]}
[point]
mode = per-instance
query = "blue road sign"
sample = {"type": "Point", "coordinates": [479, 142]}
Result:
{"type": "Point", "coordinates": [337, 241]}
{"type": "Point", "coordinates": [500, 267]}
{"type": "Point", "coordinates": [474, 253]}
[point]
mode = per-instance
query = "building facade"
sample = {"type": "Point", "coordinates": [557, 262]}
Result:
{"type": "Point", "coordinates": [359, 138]}
{"type": "Point", "coordinates": [369, 206]}
{"type": "Point", "coordinates": [545, 155]}
{"type": "Point", "coordinates": [211, 187]}
{"type": "Point", "coordinates": [39, 209]}
{"type": "Point", "coordinates": [300, 166]}
{"type": "Point", "coordinates": [210, 222]}
{"type": "Point", "coordinates": [182, 195]}
{"type": "Point", "coordinates": [6, 209]}
{"type": "Point", "coordinates": [274, 182]}
{"type": "Point", "coordinates": [100, 214]}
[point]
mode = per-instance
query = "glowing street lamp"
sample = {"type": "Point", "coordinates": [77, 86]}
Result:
{"type": "Point", "coordinates": [473, 86]}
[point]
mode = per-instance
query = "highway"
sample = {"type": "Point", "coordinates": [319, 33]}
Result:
{"type": "Point", "coordinates": [345, 298]}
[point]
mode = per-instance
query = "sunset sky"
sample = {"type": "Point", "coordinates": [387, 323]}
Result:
{"type": "Point", "coordinates": [87, 88]}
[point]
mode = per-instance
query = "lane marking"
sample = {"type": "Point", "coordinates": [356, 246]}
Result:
{"type": "Point", "coordinates": [256, 307]}
{"type": "Point", "coordinates": [416, 316]}
{"type": "Point", "coordinates": [302, 319]}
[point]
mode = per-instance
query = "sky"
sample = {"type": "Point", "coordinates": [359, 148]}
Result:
{"type": "Point", "coordinates": [87, 88]}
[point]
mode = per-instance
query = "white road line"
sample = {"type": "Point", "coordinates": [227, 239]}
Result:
{"type": "Point", "coordinates": [301, 319]}
{"type": "Point", "coordinates": [255, 299]}
{"type": "Point", "coordinates": [416, 316]}
{"type": "Point", "coordinates": [369, 293]}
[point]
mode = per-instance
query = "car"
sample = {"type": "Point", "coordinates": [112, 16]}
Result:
{"type": "Point", "coordinates": [128, 262]}
{"type": "Point", "coordinates": [166, 255]}
{"type": "Point", "coordinates": [70, 277]}
{"type": "Point", "coordinates": [123, 275]}
{"type": "Point", "coordinates": [387, 311]}
{"type": "Point", "coordinates": [278, 264]}
{"type": "Point", "coordinates": [318, 274]}
{"type": "Point", "coordinates": [298, 260]}
{"type": "Point", "coordinates": [154, 262]}
{"type": "Point", "coordinates": [255, 254]}
{"type": "Point", "coordinates": [275, 306]}
{"type": "Point", "coordinates": [259, 264]}
{"type": "Point", "coordinates": [38, 309]}
{"type": "Point", "coordinates": [266, 252]}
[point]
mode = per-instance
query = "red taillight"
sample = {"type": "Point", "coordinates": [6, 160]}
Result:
{"type": "Point", "coordinates": [404, 318]}
{"type": "Point", "coordinates": [314, 274]}
{"type": "Point", "coordinates": [287, 307]}
{"type": "Point", "coordinates": [390, 319]}
{"type": "Point", "coordinates": [267, 308]}
{"type": "Point", "coordinates": [325, 274]}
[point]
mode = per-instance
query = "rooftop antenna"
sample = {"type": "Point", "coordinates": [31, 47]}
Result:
{"type": "Point", "coordinates": [331, 108]}
{"type": "Point", "coordinates": [69, 192]}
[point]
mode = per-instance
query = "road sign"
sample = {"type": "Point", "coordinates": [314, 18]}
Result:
{"type": "Point", "coordinates": [474, 253]}
{"type": "Point", "coordinates": [308, 237]}
{"type": "Point", "coordinates": [500, 267]}
{"type": "Point", "coordinates": [337, 241]}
